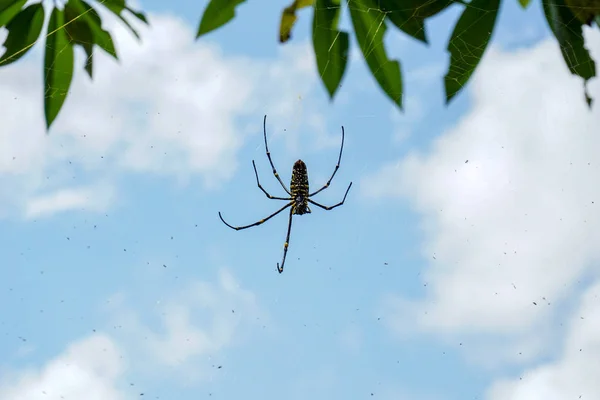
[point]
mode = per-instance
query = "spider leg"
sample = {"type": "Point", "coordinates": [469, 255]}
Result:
{"type": "Point", "coordinates": [263, 189]}
{"type": "Point", "coordinates": [287, 242]}
{"type": "Point", "coordinates": [237, 228]}
{"type": "Point", "coordinates": [334, 206]}
{"type": "Point", "coordinates": [337, 166]}
{"type": "Point", "coordinates": [269, 157]}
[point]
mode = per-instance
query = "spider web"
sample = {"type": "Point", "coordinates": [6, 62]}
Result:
{"type": "Point", "coordinates": [467, 52]}
{"type": "Point", "coordinates": [80, 57]}
{"type": "Point", "coordinates": [376, 27]}
{"type": "Point", "coordinates": [381, 21]}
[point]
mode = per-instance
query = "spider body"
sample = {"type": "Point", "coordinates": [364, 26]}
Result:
{"type": "Point", "coordinates": [299, 188]}
{"type": "Point", "coordinates": [299, 195]}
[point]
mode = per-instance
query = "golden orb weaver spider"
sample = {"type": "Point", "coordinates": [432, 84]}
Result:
{"type": "Point", "coordinates": [298, 192]}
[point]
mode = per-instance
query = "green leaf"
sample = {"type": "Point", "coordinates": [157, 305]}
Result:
{"type": "Point", "coordinates": [79, 32]}
{"type": "Point", "coordinates": [117, 7]}
{"type": "Point", "coordinates": [217, 14]}
{"type": "Point", "coordinates": [128, 25]}
{"type": "Point", "coordinates": [588, 99]}
{"type": "Point", "coordinates": [101, 37]}
{"type": "Point", "coordinates": [524, 3]}
{"type": "Point", "coordinates": [8, 10]}
{"type": "Point", "coordinates": [140, 15]}
{"type": "Point", "coordinates": [330, 44]}
{"type": "Point", "coordinates": [405, 17]}
{"type": "Point", "coordinates": [584, 10]}
{"type": "Point", "coordinates": [428, 8]}
{"type": "Point", "coordinates": [288, 18]}
{"type": "Point", "coordinates": [569, 33]}
{"type": "Point", "coordinates": [369, 29]}
{"type": "Point", "coordinates": [468, 42]}
{"type": "Point", "coordinates": [58, 66]}
{"type": "Point", "coordinates": [23, 31]}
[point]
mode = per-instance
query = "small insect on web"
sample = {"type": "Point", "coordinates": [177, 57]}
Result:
{"type": "Point", "coordinates": [298, 192]}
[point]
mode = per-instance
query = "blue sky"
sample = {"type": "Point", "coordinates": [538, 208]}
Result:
{"type": "Point", "coordinates": [438, 279]}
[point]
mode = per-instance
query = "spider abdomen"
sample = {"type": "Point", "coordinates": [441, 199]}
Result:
{"type": "Point", "coordinates": [299, 188]}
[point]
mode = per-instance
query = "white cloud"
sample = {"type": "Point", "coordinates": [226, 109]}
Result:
{"type": "Point", "coordinates": [89, 368]}
{"type": "Point", "coordinates": [509, 200]}
{"type": "Point", "coordinates": [574, 374]}
{"type": "Point", "coordinates": [427, 74]}
{"type": "Point", "coordinates": [414, 113]}
{"type": "Point", "coordinates": [195, 326]}
{"type": "Point", "coordinates": [171, 107]}
{"type": "Point", "coordinates": [90, 198]}
{"type": "Point", "coordinates": [197, 323]}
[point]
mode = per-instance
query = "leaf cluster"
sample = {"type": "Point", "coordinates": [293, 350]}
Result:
{"type": "Point", "coordinates": [78, 23]}
{"type": "Point", "coordinates": [370, 19]}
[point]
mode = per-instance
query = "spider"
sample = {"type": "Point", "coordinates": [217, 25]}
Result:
{"type": "Point", "coordinates": [298, 192]}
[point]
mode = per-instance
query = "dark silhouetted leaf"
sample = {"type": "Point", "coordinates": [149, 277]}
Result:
{"type": "Point", "coordinates": [588, 99]}
{"type": "Point", "coordinates": [217, 14]}
{"type": "Point", "coordinates": [427, 8]}
{"type": "Point", "coordinates": [8, 10]}
{"type": "Point", "coordinates": [79, 32]}
{"type": "Point", "coordinates": [369, 29]}
{"type": "Point", "coordinates": [101, 37]}
{"type": "Point", "coordinates": [405, 17]}
{"type": "Point", "coordinates": [58, 66]}
{"type": "Point", "coordinates": [468, 42]}
{"type": "Point", "coordinates": [569, 33]}
{"type": "Point", "coordinates": [288, 18]}
{"type": "Point", "coordinates": [330, 44]}
{"type": "Point", "coordinates": [140, 15]}
{"type": "Point", "coordinates": [23, 31]}
{"type": "Point", "coordinates": [117, 7]}
{"type": "Point", "coordinates": [584, 10]}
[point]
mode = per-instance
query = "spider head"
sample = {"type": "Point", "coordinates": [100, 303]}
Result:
{"type": "Point", "coordinates": [299, 166]}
